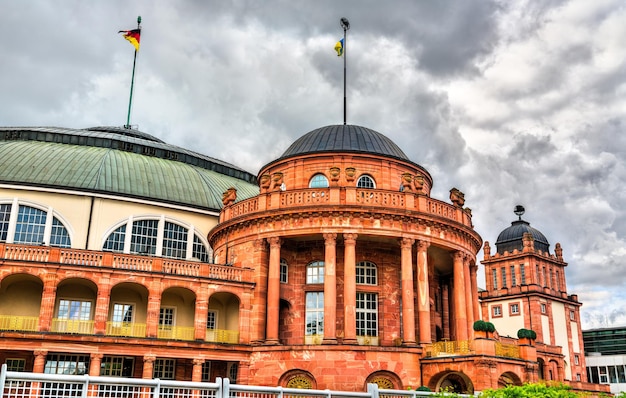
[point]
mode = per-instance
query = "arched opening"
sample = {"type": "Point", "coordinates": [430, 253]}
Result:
{"type": "Point", "coordinates": [297, 378]}
{"type": "Point", "coordinates": [223, 318]}
{"type": "Point", "coordinates": [20, 302]}
{"type": "Point", "coordinates": [454, 382]}
{"type": "Point", "coordinates": [176, 315]}
{"type": "Point", "coordinates": [285, 320]}
{"type": "Point", "coordinates": [508, 379]}
{"type": "Point", "coordinates": [384, 380]}
{"type": "Point", "coordinates": [541, 367]}
{"type": "Point", "coordinates": [128, 310]}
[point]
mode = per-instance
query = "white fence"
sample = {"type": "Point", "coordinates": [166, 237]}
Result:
{"type": "Point", "coordinates": [41, 385]}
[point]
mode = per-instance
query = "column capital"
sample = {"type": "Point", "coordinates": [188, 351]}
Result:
{"type": "Point", "coordinates": [458, 255]}
{"type": "Point", "coordinates": [259, 244]}
{"type": "Point", "coordinates": [198, 361]}
{"type": "Point", "coordinates": [330, 238]}
{"type": "Point", "coordinates": [350, 238]}
{"type": "Point", "coordinates": [423, 244]}
{"type": "Point", "coordinates": [41, 353]}
{"type": "Point", "coordinates": [275, 241]}
{"type": "Point", "coordinates": [149, 358]}
{"type": "Point", "coordinates": [96, 356]}
{"type": "Point", "coordinates": [406, 243]}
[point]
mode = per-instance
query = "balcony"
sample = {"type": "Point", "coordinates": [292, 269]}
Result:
{"type": "Point", "coordinates": [346, 196]}
{"type": "Point", "coordinates": [72, 326]}
{"type": "Point", "coordinates": [222, 336]}
{"type": "Point", "coordinates": [97, 259]}
{"type": "Point", "coordinates": [449, 348]}
{"type": "Point", "coordinates": [126, 329]}
{"type": "Point", "coordinates": [21, 323]}
{"type": "Point", "coordinates": [175, 332]}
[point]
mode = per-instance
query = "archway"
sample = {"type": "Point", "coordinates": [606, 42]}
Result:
{"type": "Point", "coordinates": [456, 382]}
{"type": "Point", "coordinates": [508, 379]}
{"type": "Point", "coordinates": [541, 366]}
{"type": "Point", "coordinates": [298, 378]}
{"type": "Point", "coordinates": [384, 380]}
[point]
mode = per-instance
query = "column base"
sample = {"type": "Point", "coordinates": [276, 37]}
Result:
{"type": "Point", "coordinates": [409, 344]}
{"type": "Point", "coordinates": [350, 341]}
{"type": "Point", "coordinates": [329, 341]}
{"type": "Point", "coordinates": [271, 342]}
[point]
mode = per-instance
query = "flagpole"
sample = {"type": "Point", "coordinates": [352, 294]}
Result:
{"type": "Point", "coordinates": [345, 24]}
{"type": "Point", "coordinates": [132, 81]}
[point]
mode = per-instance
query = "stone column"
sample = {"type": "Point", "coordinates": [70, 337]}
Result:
{"type": "Point", "coordinates": [459, 316]}
{"type": "Point", "coordinates": [349, 288]}
{"type": "Point", "coordinates": [48, 298]}
{"type": "Point", "coordinates": [95, 360]}
{"type": "Point", "coordinates": [474, 285]}
{"type": "Point", "coordinates": [423, 293]}
{"type": "Point", "coordinates": [408, 306]}
{"type": "Point", "coordinates": [148, 366]}
{"type": "Point", "coordinates": [40, 361]}
{"type": "Point", "coordinates": [469, 296]}
{"type": "Point", "coordinates": [102, 306]}
{"type": "Point", "coordinates": [202, 309]}
{"type": "Point", "coordinates": [445, 303]}
{"type": "Point", "coordinates": [273, 292]}
{"type": "Point", "coordinates": [330, 289]}
{"type": "Point", "coordinates": [196, 372]}
{"type": "Point", "coordinates": [154, 306]}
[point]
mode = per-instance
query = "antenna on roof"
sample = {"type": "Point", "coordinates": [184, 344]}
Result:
{"type": "Point", "coordinates": [519, 210]}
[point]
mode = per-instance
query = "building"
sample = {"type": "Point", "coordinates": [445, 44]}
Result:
{"type": "Point", "coordinates": [526, 289]}
{"type": "Point", "coordinates": [332, 268]}
{"type": "Point", "coordinates": [605, 355]}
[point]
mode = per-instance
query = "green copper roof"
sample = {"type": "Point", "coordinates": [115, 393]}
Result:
{"type": "Point", "coordinates": [102, 168]}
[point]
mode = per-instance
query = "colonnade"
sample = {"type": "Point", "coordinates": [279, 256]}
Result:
{"type": "Point", "coordinates": [465, 292]}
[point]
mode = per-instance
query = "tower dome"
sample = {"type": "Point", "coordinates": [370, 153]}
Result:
{"type": "Point", "coordinates": [511, 238]}
{"type": "Point", "coordinates": [344, 138]}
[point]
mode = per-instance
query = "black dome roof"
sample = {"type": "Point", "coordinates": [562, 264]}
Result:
{"type": "Point", "coordinates": [344, 138]}
{"type": "Point", "coordinates": [511, 238]}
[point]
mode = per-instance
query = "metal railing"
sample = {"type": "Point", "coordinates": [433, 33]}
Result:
{"type": "Point", "coordinates": [126, 329]}
{"type": "Point", "coordinates": [176, 332]}
{"type": "Point", "coordinates": [41, 385]}
{"type": "Point", "coordinates": [73, 326]}
{"type": "Point", "coordinates": [446, 348]}
{"type": "Point", "coordinates": [22, 323]}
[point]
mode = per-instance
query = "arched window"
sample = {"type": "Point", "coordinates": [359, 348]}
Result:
{"type": "Point", "coordinates": [145, 239]}
{"type": "Point", "coordinates": [315, 272]}
{"type": "Point", "coordinates": [318, 181]}
{"type": "Point", "coordinates": [365, 181]}
{"type": "Point", "coordinates": [366, 273]}
{"type": "Point", "coordinates": [31, 226]}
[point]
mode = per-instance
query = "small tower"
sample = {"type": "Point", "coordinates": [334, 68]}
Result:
{"type": "Point", "coordinates": [526, 289]}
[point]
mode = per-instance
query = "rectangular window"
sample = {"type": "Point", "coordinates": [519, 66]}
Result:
{"type": "Point", "coordinates": [558, 281]}
{"type": "Point", "coordinates": [496, 311]}
{"type": "Point", "coordinates": [538, 275]}
{"type": "Point", "coordinates": [74, 310]}
{"type": "Point", "coordinates": [211, 320]}
{"type": "Point", "coordinates": [233, 370]}
{"type": "Point", "coordinates": [206, 371]}
{"type": "Point", "coordinates": [117, 366]}
{"type": "Point", "coordinates": [15, 364]}
{"type": "Point", "coordinates": [577, 376]}
{"type": "Point", "coordinates": [543, 308]}
{"type": "Point", "coordinates": [503, 271]}
{"type": "Point", "coordinates": [366, 273]}
{"type": "Point", "coordinates": [314, 313]}
{"type": "Point", "coordinates": [604, 376]}
{"type": "Point", "coordinates": [123, 313]}
{"type": "Point", "coordinates": [572, 316]}
{"type": "Point", "coordinates": [166, 318]}
{"type": "Point", "coordinates": [174, 241]}
{"type": "Point", "coordinates": [621, 376]}
{"type": "Point", "coordinates": [61, 364]}
{"type": "Point", "coordinates": [576, 360]}
{"type": "Point", "coordinates": [31, 224]}
{"type": "Point", "coordinates": [513, 276]}
{"type": "Point", "coordinates": [164, 369]}
{"type": "Point", "coordinates": [543, 276]}
{"type": "Point", "coordinates": [144, 237]}
{"type": "Point", "coordinates": [283, 271]}
{"type": "Point", "coordinates": [315, 272]}
{"type": "Point", "coordinates": [367, 314]}
{"type": "Point", "coordinates": [514, 309]}
{"type": "Point", "coordinates": [522, 271]}
{"type": "Point", "coordinates": [494, 275]}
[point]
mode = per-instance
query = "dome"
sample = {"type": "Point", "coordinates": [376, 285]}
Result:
{"type": "Point", "coordinates": [511, 238]}
{"type": "Point", "coordinates": [344, 138]}
{"type": "Point", "coordinates": [125, 162]}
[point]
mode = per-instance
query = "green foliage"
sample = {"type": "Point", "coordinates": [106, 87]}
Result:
{"type": "Point", "coordinates": [422, 388]}
{"type": "Point", "coordinates": [480, 326]}
{"type": "Point", "coordinates": [535, 390]}
{"type": "Point", "coordinates": [526, 334]}
{"type": "Point", "coordinates": [490, 327]}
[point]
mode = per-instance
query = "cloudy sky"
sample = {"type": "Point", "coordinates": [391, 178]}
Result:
{"type": "Point", "coordinates": [512, 102]}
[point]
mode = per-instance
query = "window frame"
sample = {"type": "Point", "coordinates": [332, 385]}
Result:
{"type": "Point", "coordinates": [514, 309]}
{"type": "Point", "coordinates": [496, 311]}
{"type": "Point", "coordinates": [284, 271]}
{"type": "Point", "coordinates": [368, 318]}
{"type": "Point", "coordinates": [319, 180]}
{"type": "Point", "coordinates": [315, 272]}
{"type": "Point", "coordinates": [366, 273]}
{"type": "Point", "coordinates": [315, 312]}
{"type": "Point", "coordinates": [366, 181]}
{"type": "Point", "coordinates": [48, 228]}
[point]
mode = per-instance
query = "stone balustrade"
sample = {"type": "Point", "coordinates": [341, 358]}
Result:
{"type": "Point", "coordinates": [390, 200]}
{"type": "Point", "coordinates": [88, 258]}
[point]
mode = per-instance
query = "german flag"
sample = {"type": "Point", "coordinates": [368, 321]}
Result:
{"type": "Point", "coordinates": [132, 36]}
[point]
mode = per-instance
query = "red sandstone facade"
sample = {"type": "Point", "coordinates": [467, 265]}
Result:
{"type": "Point", "coordinates": [341, 272]}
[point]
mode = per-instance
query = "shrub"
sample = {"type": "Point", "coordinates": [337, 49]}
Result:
{"type": "Point", "coordinates": [480, 326]}
{"type": "Point", "coordinates": [526, 334]}
{"type": "Point", "coordinates": [490, 327]}
{"type": "Point", "coordinates": [422, 388]}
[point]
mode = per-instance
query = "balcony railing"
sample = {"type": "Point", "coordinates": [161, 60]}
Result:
{"type": "Point", "coordinates": [390, 200]}
{"type": "Point", "coordinates": [449, 348]}
{"type": "Point", "coordinates": [126, 329]}
{"type": "Point", "coordinates": [175, 332]}
{"type": "Point", "coordinates": [88, 258]}
{"type": "Point", "coordinates": [22, 323]}
{"type": "Point", "coordinates": [222, 336]}
{"type": "Point", "coordinates": [507, 350]}
{"type": "Point", "coordinates": [73, 326]}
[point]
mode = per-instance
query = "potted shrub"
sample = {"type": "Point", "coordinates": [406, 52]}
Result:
{"type": "Point", "coordinates": [526, 336]}
{"type": "Point", "coordinates": [480, 329]}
